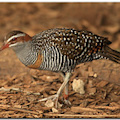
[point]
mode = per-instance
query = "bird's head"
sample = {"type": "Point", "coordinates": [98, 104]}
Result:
{"type": "Point", "coordinates": [15, 39]}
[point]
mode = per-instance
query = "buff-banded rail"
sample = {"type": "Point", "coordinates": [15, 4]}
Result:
{"type": "Point", "coordinates": [59, 50]}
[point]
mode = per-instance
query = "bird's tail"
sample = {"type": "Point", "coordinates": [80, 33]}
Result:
{"type": "Point", "coordinates": [111, 54]}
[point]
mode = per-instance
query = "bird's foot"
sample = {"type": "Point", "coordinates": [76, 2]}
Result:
{"type": "Point", "coordinates": [67, 102]}
{"type": "Point", "coordinates": [65, 99]}
{"type": "Point", "coordinates": [53, 98]}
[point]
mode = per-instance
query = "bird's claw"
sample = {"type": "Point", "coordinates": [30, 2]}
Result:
{"type": "Point", "coordinates": [53, 98]}
{"type": "Point", "coordinates": [67, 102]}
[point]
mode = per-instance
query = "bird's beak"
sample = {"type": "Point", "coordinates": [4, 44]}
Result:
{"type": "Point", "coordinates": [6, 45]}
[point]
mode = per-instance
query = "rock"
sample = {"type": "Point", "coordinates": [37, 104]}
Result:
{"type": "Point", "coordinates": [49, 103]}
{"type": "Point", "coordinates": [95, 75]}
{"type": "Point", "coordinates": [54, 110]}
{"type": "Point", "coordinates": [78, 86]}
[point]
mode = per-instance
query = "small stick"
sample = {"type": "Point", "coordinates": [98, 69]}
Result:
{"type": "Point", "coordinates": [17, 89]}
{"type": "Point", "coordinates": [8, 107]}
{"type": "Point", "coordinates": [83, 116]}
{"type": "Point", "coordinates": [107, 107]}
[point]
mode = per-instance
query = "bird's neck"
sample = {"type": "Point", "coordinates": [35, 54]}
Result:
{"type": "Point", "coordinates": [26, 53]}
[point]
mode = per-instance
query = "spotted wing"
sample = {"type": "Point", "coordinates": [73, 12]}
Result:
{"type": "Point", "coordinates": [72, 43]}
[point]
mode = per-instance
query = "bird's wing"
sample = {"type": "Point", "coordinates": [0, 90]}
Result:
{"type": "Point", "coordinates": [72, 43]}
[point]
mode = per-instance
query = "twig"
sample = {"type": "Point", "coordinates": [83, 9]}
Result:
{"type": "Point", "coordinates": [82, 116]}
{"type": "Point", "coordinates": [24, 110]}
{"type": "Point", "coordinates": [17, 89]}
{"type": "Point", "coordinates": [9, 89]}
{"type": "Point", "coordinates": [6, 112]}
{"type": "Point", "coordinates": [77, 109]}
{"type": "Point", "coordinates": [107, 107]}
{"type": "Point", "coordinates": [8, 107]}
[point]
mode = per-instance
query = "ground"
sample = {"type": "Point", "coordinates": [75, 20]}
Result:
{"type": "Point", "coordinates": [21, 88]}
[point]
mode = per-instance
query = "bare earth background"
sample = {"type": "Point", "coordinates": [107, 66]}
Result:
{"type": "Point", "coordinates": [21, 87]}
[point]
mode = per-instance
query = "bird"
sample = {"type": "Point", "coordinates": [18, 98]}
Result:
{"type": "Point", "coordinates": [59, 50]}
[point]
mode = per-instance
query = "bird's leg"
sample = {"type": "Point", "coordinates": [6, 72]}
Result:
{"type": "Point", "coordinates": [64, 85]}
{"type": "Point", "coordinates": [56, 96]}
{"type": "Point", "coordinates": [65, 96]}
{"type": "Point", "coordinates": [66, 91]}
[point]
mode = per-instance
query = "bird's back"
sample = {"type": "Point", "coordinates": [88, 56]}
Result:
{"type": "Point", "coordinates": [63, 48]}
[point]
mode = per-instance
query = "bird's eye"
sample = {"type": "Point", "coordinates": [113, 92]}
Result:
{"type": "Point", "coordinates": [14, 39]}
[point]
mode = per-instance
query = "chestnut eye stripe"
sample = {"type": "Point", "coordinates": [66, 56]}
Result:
{"type": "Point", "coordinates": [14, 37]}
